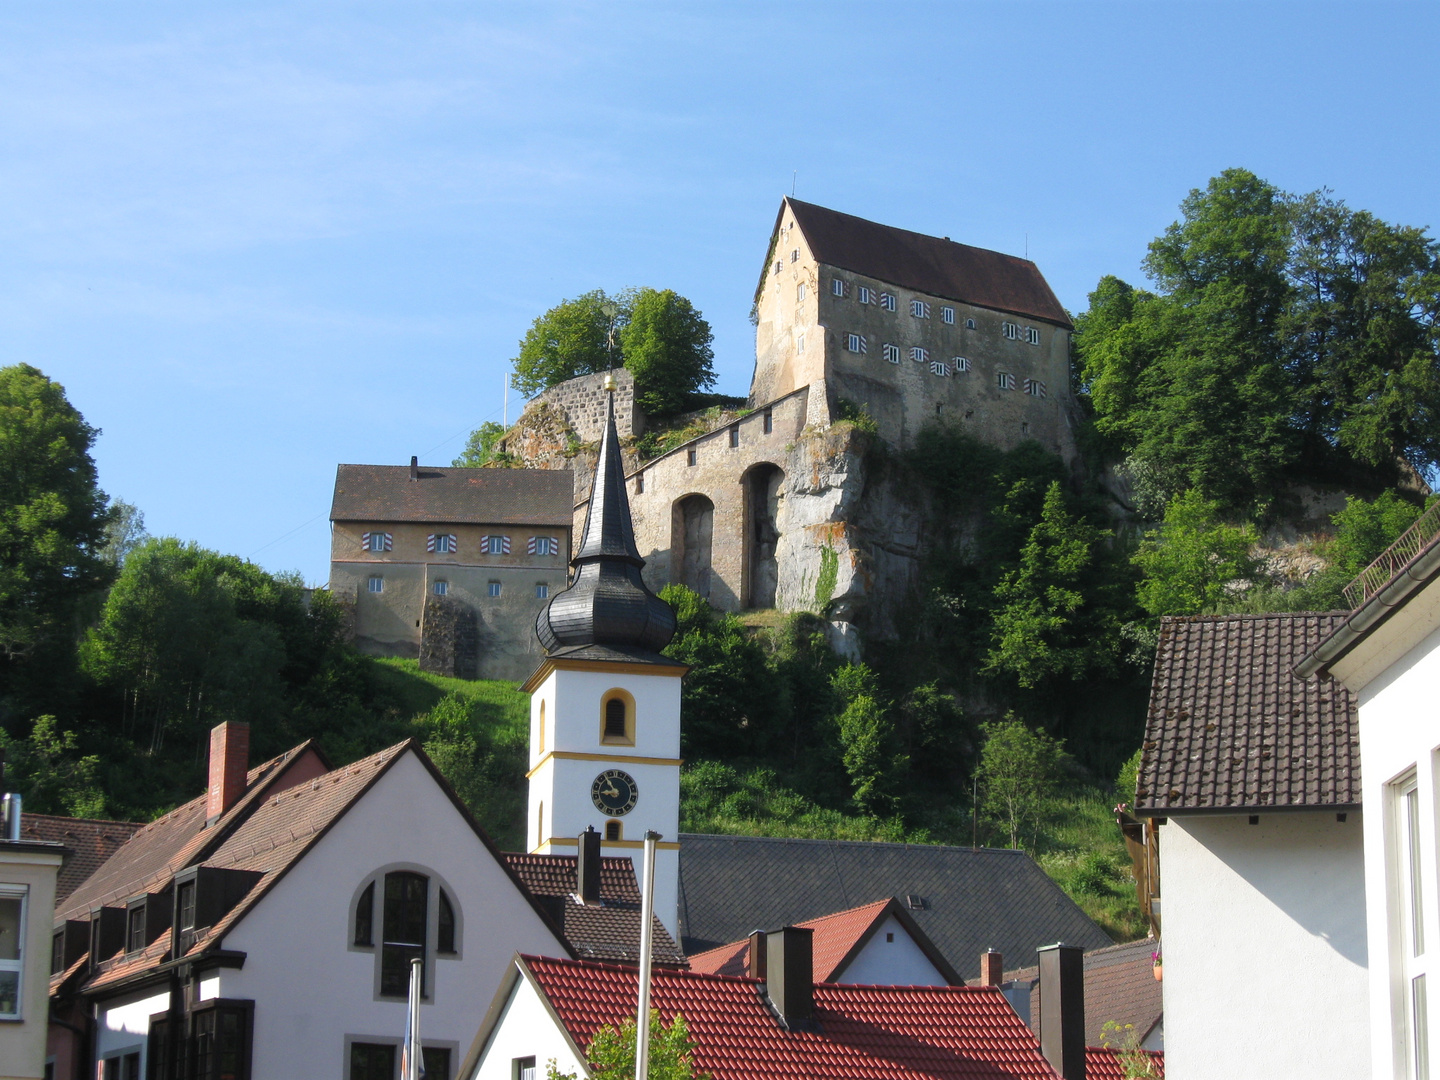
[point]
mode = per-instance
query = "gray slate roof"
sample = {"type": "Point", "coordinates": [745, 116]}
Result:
{"type": "Point", "coordinates": [382, 493]}
{"type": "Point", "coordinates": [1232, 727]}
{"type": "Point", "coordinates": [970, 900]}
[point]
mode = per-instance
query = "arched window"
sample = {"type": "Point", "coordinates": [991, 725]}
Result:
{"type": "Point", "coordinates": [445, 930]}
{"type": "Point", "coordinates": [617, 718]}
{"type": "Point", "coordinates": [542, 725]}
{"type": "Point", "coordinates": [614, 830]}
{"type": "Point", "coordinates": [400, 914]}
{"type": "Point", "coordinates": [407, 898]}
{"type": "Point", "coordinates": [365, 917]}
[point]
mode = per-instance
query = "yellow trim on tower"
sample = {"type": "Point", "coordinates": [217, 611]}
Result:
{"type": "Point", "coordinates": [569, 756]}
{"type": "Point", "coordinates": [570, 841]}
{"type": "Point", "coordinates": [552, 663]}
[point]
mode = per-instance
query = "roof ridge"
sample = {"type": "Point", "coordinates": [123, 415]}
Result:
{"type": "Point", "coordinates": [900, 228]}
{"type": "Point", "coordinates": [858, 843]}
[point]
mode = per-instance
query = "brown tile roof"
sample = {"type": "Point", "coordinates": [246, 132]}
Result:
{"type": "Point", "coordinates": [89, 842]}
{"type": "Point", "coordinates": [608, 932]}
{"type": "Point", "coordinates": [383, 493]}
{"type": "Point", "coordinates": [1119, 986]}
{"type": "Point", "coordinates": [1232, 727]}
{"type": "Point", "coordinates": [928, 264]}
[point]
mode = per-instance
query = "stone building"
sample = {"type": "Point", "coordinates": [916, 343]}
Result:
{"type": "Point", "coordinates": [450, 566]}
{"type": "Point", "coordinates": [780, 505]}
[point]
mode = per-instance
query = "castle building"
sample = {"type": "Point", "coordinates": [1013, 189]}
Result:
{"type": "Point", "coordinates": [605, 705]}
{"type": "Point", "coordinates": [450, 566]}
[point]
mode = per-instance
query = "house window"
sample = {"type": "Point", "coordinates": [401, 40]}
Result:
{"type": "Point", "coordinates": [407, 896]}
{"type": "Point", "coordinates": [855, 343]}
{"type": "Point", "coordinates": [377, 541]}
{"type": "Point", "coordinates": [735, 435]}
{"type": "Point", "coordinates": [947, 315]}
{"type": "Point", "coordinates": [365, 918]}
{"type": "Point", "coordinates": [493, 588]}
{"type": "Point", "coordinates": [436, 1060]}
{"type": "Point", "coordinates": [1032, 335]}
{"type": "Point", "coordinates": [794, 255]}
{"type": "Point", "coordinates": [57, 952]}
{"type": "Point", "coordinates": [959, 363]}
{"type": "Point", "coordinates": [690, 456]}
{"type": "Point", "coordinates": [217, 1046]}
{"type": "Point", "coordinates": [544, 545]}
{"type": "Point", "coordinates": [837, 287]}
{"type": "Point", "coordinates": [542, 591]}
{"type": "Point", "coordinates": [769, 422]}
{"type": "Point", "coordinates": [445, 925]}
{"type": "Point", "coordinates": [614, 830]}
{"type": "Point", "coordinates": [495, 545]}
{"type": "Point", "coordinates": [864, 294]}
{"type": "Point", "coordinates": [442, 543]}
{"type": "Point", "coordinates": [1035, 388]}
{"type": "Point", "coordinates": [121, 1066]}
{"type": "Point", "coordinates": [892, 353]}
{"type": "Point", "coordinates": [887, 301]}
{"type": "Point", "coordinates": [1410, 906]}
{"type": "Point", "coordinates": [185, 906]}
{"type": "Point", "coordinates": [376, 583]}
{"type": "Point", "coordinates": [523, 1069]}
{"type": "Point", "coordinates": [800, 292]}
{"type": "Point", "coordinates": [919, 355]}
{"type": "Point", "coordinates": [12, 933]}
{"type": "Point", "coordinates": [135, 928]}
{"type": "Point", "coordinates": [939, 367]}
{"type": "Point", "coordinates": [920, 309]}
{"type": "Point", "coordinates": [372, 1061]}
{"type": "Point", "coordinates": [1005, 380]}
{"type": "Point", "coordinates": [1010, 330]}
{"type": "Point", "coordinates": [969, 324]}
{"type": "Point", "coordinates": [440, 588]}
{"type": "Point", "coordinates": [800, 343]}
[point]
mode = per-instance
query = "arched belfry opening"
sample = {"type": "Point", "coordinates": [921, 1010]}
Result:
{"type": "Point", "coordinates": [763, 485]}
{"type": "Point", "coordinates": [692, 526]}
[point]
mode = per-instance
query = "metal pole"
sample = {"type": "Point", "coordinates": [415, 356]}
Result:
{"type": "Point", "coordinates": [647, 909]}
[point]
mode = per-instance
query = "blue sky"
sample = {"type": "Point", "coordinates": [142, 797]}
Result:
{"type": "Point", "coordinates": [257, 240]}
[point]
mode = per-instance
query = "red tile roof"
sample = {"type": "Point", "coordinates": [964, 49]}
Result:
{"type": "Point", "coordinates": [1103, 1064]}
{"type": "Point", "coordinates": [862, 1032]}
{"type": "Point", "coordinates": [89, 842]}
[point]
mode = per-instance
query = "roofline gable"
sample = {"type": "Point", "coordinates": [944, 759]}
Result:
{"type": "Point", "coordinates": [518, 972]}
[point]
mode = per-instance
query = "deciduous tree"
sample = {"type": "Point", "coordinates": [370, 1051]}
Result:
{"type": "Point", "coordinates": [1018, 770]}
{"type": "Point", "coordinates": [667, 349]}
{"type": "Point", "coordinates": [572, 338]}
{"type": "Point", "coordinates": [1191, 559]}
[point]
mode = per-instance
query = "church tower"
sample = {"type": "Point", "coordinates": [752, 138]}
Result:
{"type": "Point", "coordinates": [604, 704]}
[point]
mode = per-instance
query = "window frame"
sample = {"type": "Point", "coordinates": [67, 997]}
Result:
{"type": "Point", "coordinates": [373, 883]}
{"type": "Point", "coordinates": [940, 367]}
{"type": "Point", "coordinates": [960, 364]}
{"type": "Point", "coordinates": [891, 353]}
{"type": "Point", "coordinates": [20, 893]}
{"type": "Point", "coordinates": [1010, 330]}
{"type": "Point", "coordinates": [135, 919]}
{"type": "Point", "coordinates": [838, 287]}
{"type": "Point", "coordinates": [616, 693]}
{"type": "Point", "coordinates": [1036, 388]}
{"type": "Point", "coordinates": [375, 584]}
{"type": "Point", "coordinates": [947, 315]}
{"type": "Point", "coordinates": [919, 309]}
{"type": "Point", "coordinates": [494, 589]}
{"type": "Point", "coordinates": [855, 343]}
{"type": "Point", "coordinates": [919, 354]}
{"type": "Point", "coordinates": [1005, 380]}
{"type": "Point", "coordinates": [887, 301]}
{"type": "Point", "coordinates": [800, 292]}
{"type": "Point", "coordinates": [864, 294]}
{"type": "Point", "coordinates": [440, 587]}
{"type": "Point", "coordinates": [1032, 335]}
{"type": "Point", "coordinates": [542, 590]}
{"type": "Point", "coordinates": [969, 324]}
{"type": "Point", "coordinates": [1407, 877]}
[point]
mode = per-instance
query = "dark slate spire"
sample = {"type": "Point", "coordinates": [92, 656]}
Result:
{"type": "Point", "coordinates": [607, 604]}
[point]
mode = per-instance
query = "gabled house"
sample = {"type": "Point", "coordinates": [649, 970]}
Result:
{"type": "Point", "coordinates": [28, 868]}
{"type": "Point", "coordinates": [1252, 775]}
{"type": "Point", "coordinates": [965, 900]}
{"type": "Point", "coordinates": [266, 929]}
{"type": "Point", "coordinates": [1386, 653]}
{"type": "Point", "coordinates": [877, 944]}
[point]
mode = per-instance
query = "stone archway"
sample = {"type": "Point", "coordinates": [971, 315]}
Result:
{"type": "Point", "coordinates": [762, 486]}
{"type": "Point", "coordinates": [692, 525]}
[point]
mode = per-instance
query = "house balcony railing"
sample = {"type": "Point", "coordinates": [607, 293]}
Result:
{"type": "Point", "coordinates": [1395, 558]}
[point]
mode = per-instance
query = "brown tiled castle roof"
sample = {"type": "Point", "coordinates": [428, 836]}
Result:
{"type": "Point", "coordinates": [610, 931]}
{"type": "Point", "coordinates": [927, 264]}
{"type": "Point", "coordinates": [1232, 727]}
{"type": "Point", "coordinates": [383, 493]}
{"type": "Point", "coordinates": [89, 842]}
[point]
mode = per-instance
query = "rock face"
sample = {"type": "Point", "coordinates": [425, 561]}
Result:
{"type": "Point", "coordinates": [450, 639]}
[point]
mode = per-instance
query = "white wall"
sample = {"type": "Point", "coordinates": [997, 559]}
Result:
{"type": "Point", "coordinates": [311, 989]}
{"type": "Point", "coordinates": [1265, 951]}
{"type": "Point", "coordinates": [125, 1023]}
{"type": "Point", "coordinates": [525, 1029]}
{"type": "Point", "coordinates": [891, 963]}
{"type": "Point", "coordinates": [22, 1041]}
{"type": "Point", "coordinates": [1399, 731]}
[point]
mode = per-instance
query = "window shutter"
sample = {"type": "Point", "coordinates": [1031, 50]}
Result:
{"type": "Point", "coordinates": [534, 546]}
{"type": "Point", "coordinates": [365, 540]}
{"type": "Point", "coordinates": [430, 542]}
{"type": "Point", "coordinates": [505, 545]}
{"type": "Point", "coordinates": [485, 544]}
{"type": "Point", "coordinates": [389, 541]}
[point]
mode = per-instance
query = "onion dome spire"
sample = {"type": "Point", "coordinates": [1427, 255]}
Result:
{"type": "Point", "coordinates": [607, 603]}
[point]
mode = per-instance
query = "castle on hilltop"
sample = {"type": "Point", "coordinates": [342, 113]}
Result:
{"type": "Point", "coordinates": [766, 509]}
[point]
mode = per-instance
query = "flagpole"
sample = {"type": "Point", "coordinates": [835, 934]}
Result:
{"type": "Point", "coordinates": [647, 909]}
{"type": "Point", "coordinates": [412, 1063]}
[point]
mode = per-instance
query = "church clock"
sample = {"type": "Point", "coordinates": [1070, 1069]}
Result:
{"type": "Point", "coordinates": [614, 792]}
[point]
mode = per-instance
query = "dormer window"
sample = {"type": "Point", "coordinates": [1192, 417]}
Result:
{"type": "Point", "coordinates": [135, 928]}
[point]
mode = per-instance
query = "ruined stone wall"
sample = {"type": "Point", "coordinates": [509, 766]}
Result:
{"type": "Point", "coordinates": [450, 639]}
{"type": "Point", "coordinates": [580, 404]}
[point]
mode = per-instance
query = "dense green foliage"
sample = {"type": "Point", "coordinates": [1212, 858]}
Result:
{"type": "Point", "coordinates": [1018, 767]}
{"type": "Point", "coordinates": [1193, 558]}
{"type": "Point", "coordinates": [611, 1053]}
{"type": "Point", "coordinates": [575, 337]}
{"type": "Point", "coordinates": [483, 448]}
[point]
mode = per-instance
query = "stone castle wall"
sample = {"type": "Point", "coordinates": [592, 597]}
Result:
{"type": "Point", "coordinates": [581, 404]}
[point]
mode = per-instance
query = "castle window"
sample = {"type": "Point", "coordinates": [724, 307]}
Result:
{"type": "Point", "coordinates": [969, 324]}
{"type": "Point", "coordinates": [960, 364]}
{"type": "Point", "coordinates": [779, 266]}
{"type": "Point", "coordinates": [865, 295]}
{"type": "Point", "coordinates": [544, 545]}
{"type": "Point", "coordinates": [892, 353]}
{"type": "Point", "coordinates": [887, 301]}
{"type": "Point", "coordinates": [377, 541]}
{"type": "Point", "coordinates": [617, 719]}
{"type": "Point", "coordinates": [837, 287]}
{"type": "Point", "coordinates": [614, 830]}
{"type": "Point", "coordinates": [1035, 388]}
{"type": "Point", "coordinates": [542, 591]}
{"type": "Point", "coordinates": [493, 588]}
{"type": "Point", "coordinates": [1032, 335]}
{"type": "Point", "coordinates": [639, 483]}
{"type": "Point", "coordinates": [855, 343]}
{"type": "Point", "coordinates": [376, 584]}
{"type": "Point", "coordinates": [795, 255]}
{"type": "Point", "coordinates": [769, 421]}
{"type": "Point", "coordinates": [495, 545]}
{"type": "Point", "coordinates": [440, 588]}
{"type": "Point", "coordinates": [441, 542]}
{"type": "Point", "coordinates": [800, 292]}
{"type": "Point", "coordinates": [920, 309]}
{"type": "Point", "coordinates": [947, 315]}
{"type": "Point", "coordinates": [1005, 380]}
{"type": "Point", "coordinates": [690, 456]}
{"type": "Point", "coordinates": [800, 344]}
{"type": "Point", "coordinates": [919, 355]}
{"type": "Point", "coordinates": [939, 367]}
{"type": "Point", "coordinates": [1010, 330]}
{"type": "Point", "coordinates": [735, 435]}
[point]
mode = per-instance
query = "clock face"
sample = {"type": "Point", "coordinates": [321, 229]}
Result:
{"type": "Point", "coordinates": [614, 792]}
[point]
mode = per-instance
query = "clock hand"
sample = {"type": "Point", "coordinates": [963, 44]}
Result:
{"type": "Point", "coordinates": [611, 790]}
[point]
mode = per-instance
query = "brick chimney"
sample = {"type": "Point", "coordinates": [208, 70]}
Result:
{"type": "Point", "coordinates": [790, 975]}
{"type": "Point", "coordinates": [1062, 1009]}
{"type": "Point", "coordinates": [992, 968]}
{"type": "Point", "coordinates": [587, 868]}
{"type": "Point", "coordinates": [414, 467]}
{"type": "Point", "coordinates": [229, 761]}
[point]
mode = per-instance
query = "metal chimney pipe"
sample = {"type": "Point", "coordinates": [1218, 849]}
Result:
{"type": "Point", "coordinates": [1062, 1009]}
{"type": "Point", "coordinates": [587, 868]}
{"type": "Point", "coordinates": [414, 468]}
{"type": "Point", "coordinates": [12, 817]}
